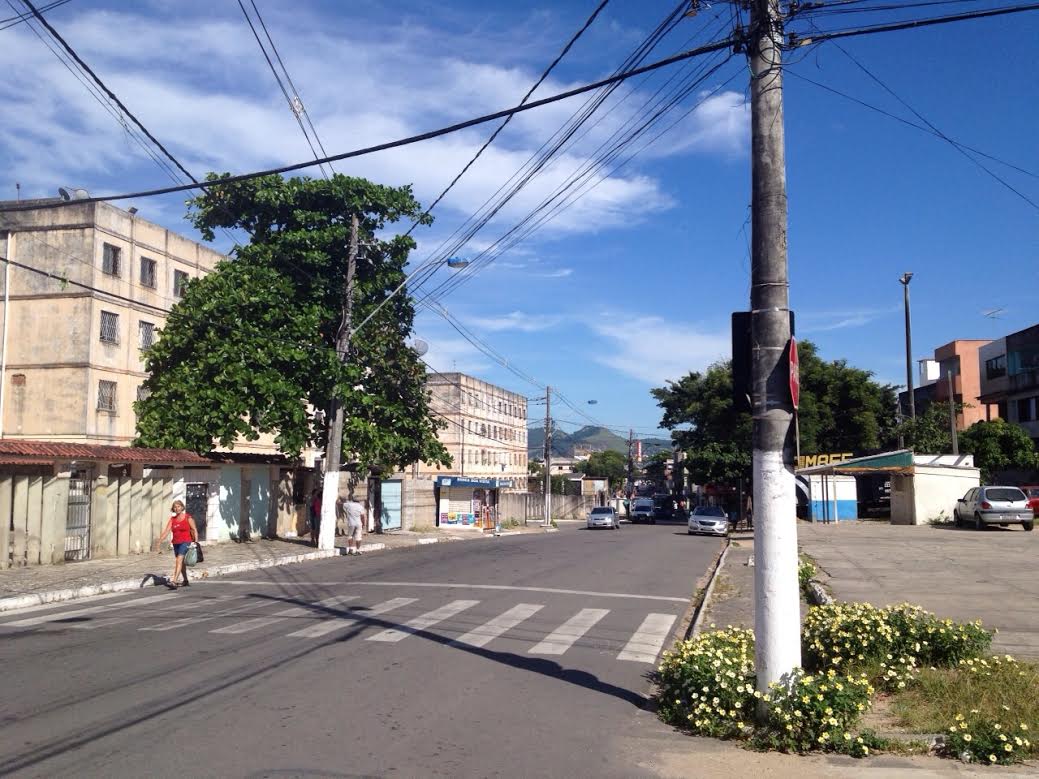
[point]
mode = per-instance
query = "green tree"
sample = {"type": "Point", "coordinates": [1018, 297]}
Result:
{"type": "Point", "coordinates": [250, 349]}
{"type": "Point", "coordinates": [841, 409]}
{"type": "Point", "coordinates": [608, 464]}
{"type": "Point", "coordinates": [656, 467]}
{"type": "Point", "coordinates": [999, 446]}
{"type": "Point", "coordinates": [929, 433]}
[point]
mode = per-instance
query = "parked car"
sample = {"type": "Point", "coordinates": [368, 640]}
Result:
{"type": "Point", "coordinates": [603, 516]}
{"type": "Point", "coordinates": [1032, 491]}
{"type": "Point", "coordinates": [708, 519]}
{"type": "Point", "coordinates": [642, 510]}
{"type": "Point", "coordinates": [994, 506]}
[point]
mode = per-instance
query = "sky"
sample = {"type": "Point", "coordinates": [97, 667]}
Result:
{"type": "Point", "coordinates": [632, 285]}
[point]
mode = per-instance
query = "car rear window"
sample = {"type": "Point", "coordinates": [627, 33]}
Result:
{"type": "Point", "coordinates": [1004, 494]}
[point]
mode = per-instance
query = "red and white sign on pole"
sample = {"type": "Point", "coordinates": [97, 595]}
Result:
{"type": "Point", "coordinates": [795, 375]}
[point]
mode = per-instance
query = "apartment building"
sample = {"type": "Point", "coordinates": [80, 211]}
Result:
{"type": "Point", "coordinates": [88, 287]}
{"type": "Point", "coordinates": [486, 433]}
{"type": "Point", "coordinates": [960, 359]}
{"type": "Point", "coordinates": [1010, 378]}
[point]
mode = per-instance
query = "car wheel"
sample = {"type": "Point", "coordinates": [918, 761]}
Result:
{"type": "Point", "coordinates": [690, 532]}
{"type": "Point", "coordinates": [978, 523]}
{"type": "Point", "coordinates": [956, 519]}
{"type": "Point", "coordinates": [1028, 525]}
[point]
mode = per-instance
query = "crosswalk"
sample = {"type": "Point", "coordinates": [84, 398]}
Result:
{"type": "Point", "coordinates": [541, 629]}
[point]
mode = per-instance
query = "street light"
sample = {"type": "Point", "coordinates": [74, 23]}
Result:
{"type": "Point", "coordinates": [905, 278]}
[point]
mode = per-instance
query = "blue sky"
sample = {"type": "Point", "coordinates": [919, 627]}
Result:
{"type": "Point", "coordinates": [634, 284]}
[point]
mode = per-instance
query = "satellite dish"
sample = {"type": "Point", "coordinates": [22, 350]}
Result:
{"type": "Point", "coordinates": [64, 193]}
{"type": "Point", "coordinates": [67, 193]}
{"type": "Point", "coordinates": [419, 346]}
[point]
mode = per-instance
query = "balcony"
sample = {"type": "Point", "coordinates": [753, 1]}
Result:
{"type": "Point", "coordinates": [1024, 380]}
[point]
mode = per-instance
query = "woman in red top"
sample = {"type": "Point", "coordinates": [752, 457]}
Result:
{"type": "Point", "coordinates": [182, 525]}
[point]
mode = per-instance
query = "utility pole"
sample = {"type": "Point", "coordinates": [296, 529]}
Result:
{"type": "Point", "coordinates": [334, 452]}
{"type": "Point", "coordinates": [631, 462]}
{"type": "Point", "coordinates": [776, 601]}
{"type": "Point", "coordinates": [952, 415]}
{"type": "Point", "coordinates": [548, 456]}
{"type": "Point", "coordinates": [905, 279]}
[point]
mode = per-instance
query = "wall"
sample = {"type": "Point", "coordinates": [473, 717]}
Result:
{"type": "Point", "coordinates": [929, 492]}
{"type": "Point", "coordinates": [32, 509]}
{"type": "Point", "coordinates": [833, 497]}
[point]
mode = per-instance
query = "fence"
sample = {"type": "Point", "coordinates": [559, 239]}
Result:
{"type": "Point", "coordinates": [530, 506]}
{"type": "Point", "coordinates": [33, 509]}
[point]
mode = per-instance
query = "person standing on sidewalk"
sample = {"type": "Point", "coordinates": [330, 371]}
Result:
{"type": "Point", "coordinates": [182, 525]}
{"type": "Point", "coordinates": [315, 515]}
{"type": "Point", "coordinates": [355, 515]}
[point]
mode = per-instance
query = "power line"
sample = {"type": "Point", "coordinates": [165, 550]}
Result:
{"type": "Point", "coordinates": [218, 181]}
{"type": "Point", "coordinates": [18, 18]}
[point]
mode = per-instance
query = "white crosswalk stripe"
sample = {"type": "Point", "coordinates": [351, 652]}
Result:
{"type": "Point", "coordinates": [200, 617]}
{"type": "Point", "coordinates": [567, 634]}
{"type": "Point", "coordinates": [423, 621]}
{"type": "Point", "coordinates": [338, 623]}
{"type": "Point", "coordinates": [645, 644]}
{"type": "Point", "coordinates": [67, 615]}
{"type": "Point", "coordinates": [278, 616]}
{"type": "Point", "coordinates": [482, 635]}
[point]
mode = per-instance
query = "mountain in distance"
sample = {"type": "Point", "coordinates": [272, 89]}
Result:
{"type": "Point", "coordinates": [597, 438]}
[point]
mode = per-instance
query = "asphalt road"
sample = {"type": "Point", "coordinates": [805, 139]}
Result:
{"type": "Point", "coordinates": [522, 656]}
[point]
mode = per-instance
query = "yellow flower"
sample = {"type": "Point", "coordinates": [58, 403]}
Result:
{"type": "Point", "coordinates": [992, 758]}
{"type": "Point", "coordinates": [967, 737]}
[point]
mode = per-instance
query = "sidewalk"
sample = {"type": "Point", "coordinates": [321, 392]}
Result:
{"type": "Point", "coordinates": [33, 585]}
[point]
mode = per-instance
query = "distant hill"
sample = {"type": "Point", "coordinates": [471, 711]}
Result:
{"type": "Point", "coordinates": [597, 438]}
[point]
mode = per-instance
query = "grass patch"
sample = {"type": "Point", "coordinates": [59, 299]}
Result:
{"type": "Point", "coordinates": [991, 689]}
{"type": "Point", "coordinates": [424, 528]}
{"type": "Point", "coordinates": [511, 522]}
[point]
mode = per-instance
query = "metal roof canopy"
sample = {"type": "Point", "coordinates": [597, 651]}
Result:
{"type": "Point", "coordinates": [900, 461]}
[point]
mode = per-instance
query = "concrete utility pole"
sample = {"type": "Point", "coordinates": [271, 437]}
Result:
{"type": "Point", "coordinates": [776, 601]}
{"type": "Point", "coordinates": [952, 415]}
{"type": "Point", "coordinates": [631, 462]}
{"type": "Point", "coordinates": [334, 452]}
{"type": "Point", "coordinates": [548, 456]}
{"type": "Point", "coordinates": [905, 278]}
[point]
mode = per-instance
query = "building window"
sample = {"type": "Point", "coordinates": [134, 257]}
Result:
{"type": "Point", "coordinates": [110, 259]}
{"type": "Point", "coordinates": [148, 266]}
{"type": "Point", "coordinates": [180, 282]}
{"type": "Point", "coordinates": [1026, 409]}
{"type": "Point", "coordinates": [106, 396]}
{"type": "Point", "coordinates": [147, 334]}
{"type": "Point", "coordinates": [109, 327]}
{"type": "Point", "coordinates": [996, 367]}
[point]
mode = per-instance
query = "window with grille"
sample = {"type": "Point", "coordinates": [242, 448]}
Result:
{"type": "Point", "coordinates": [110, 259]}
{"type": "Point", "coordinates": [109, 327]}
{"type": "Point", "coordinates": [143, 393]}
{"type": "Point", "coordinates": [147, 334]}
{"type": "Point", "coordinates": [180, 282]}
{"type": "Point", "coordinates": [106, 395]}
{"type": "Point", "coordinates": [148, 266]}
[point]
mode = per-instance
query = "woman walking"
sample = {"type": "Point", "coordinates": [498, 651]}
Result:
{"type": "Point", "coordinates": [182, 525]}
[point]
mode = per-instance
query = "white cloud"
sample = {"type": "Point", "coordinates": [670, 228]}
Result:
{"type": "Point", "coordinates": [825, 321]}
{"type": "Point", "coordinates": [655, 350]}
{"type": "Point", "coordinates": [454, 354]}
{"type": "Point", "coordinates": [514, 320]}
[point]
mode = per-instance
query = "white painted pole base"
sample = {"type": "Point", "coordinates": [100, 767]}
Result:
{"type": "Point", "coordinates": [329, 494]}
{"type": "Point", "coordinates": [777, 606]}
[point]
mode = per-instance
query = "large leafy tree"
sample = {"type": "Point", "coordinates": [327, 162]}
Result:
{"type": "Point", "coordinates": [841, 409]}
{"type": "Point", "coordinates": [608, 464]}
{"type": "Point", "coordinates": [250, 349]}
{"type": "Point", "coordinates": [999, 446]}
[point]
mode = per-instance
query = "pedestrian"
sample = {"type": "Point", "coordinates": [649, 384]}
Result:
{"type": "Point", "coordinates": [355, 515]}
{"type": "Point", "coordinates": [315, 516]}
{"type": "Point", "coordinates": [182, 525]}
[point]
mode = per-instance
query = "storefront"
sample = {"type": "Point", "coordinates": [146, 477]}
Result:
{"type": "Point", "coordinates": [467, 503]}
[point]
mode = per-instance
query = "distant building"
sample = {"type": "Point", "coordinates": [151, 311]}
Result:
{"type": "Point", "coordinates": [486, 433]}
{"type": "Point", "coordinates": [1010, 378]}
{"type": "Point", "coordinates": [960, 358]}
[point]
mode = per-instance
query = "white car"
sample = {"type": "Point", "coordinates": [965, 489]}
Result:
{"type": "Point", "coordinates": [1004, 506]}
{"type": "Point", "coordinates": [709, 519]}
{"type": "Point", "coordinates": [603, 516]}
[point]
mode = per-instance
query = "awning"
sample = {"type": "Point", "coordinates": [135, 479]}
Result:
{"type": "Point", "coordinates": [462, 481]}
{"type": "Point", "coordinates": [900, 461]}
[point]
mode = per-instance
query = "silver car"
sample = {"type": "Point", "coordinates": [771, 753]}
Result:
{"type": "Point", "coordinates": [709, 519]}
{"type": "Point", "coordinates": [1004, 506]}
{"type": "Point", "coordinates": [603, 516]}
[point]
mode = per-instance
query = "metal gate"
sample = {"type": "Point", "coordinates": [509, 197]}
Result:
{"type": "Point", "coordinates": [389, 509]}
{"type": "Point", "coordinates": [77, 523]}
{"type": "Point", "coordinates": [196, 503]}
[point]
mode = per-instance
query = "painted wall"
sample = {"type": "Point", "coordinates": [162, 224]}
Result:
{"type": "Point", "coordinates": [834, 498]}
{"type": "Point", "coordinates": [931, 492]}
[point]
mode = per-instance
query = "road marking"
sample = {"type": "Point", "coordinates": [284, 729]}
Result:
{"type": "Point", "coordinates": [64, 604]}
{"type": "Point", "coordinates": [423, 621]}
{"type": "Point", "coordinates": [564, 636]}
{"type": "Point", "coordinates": [646, 642]}
{"type": "Point", "coordinates": [195, 619]}
{"type": "Point", "coordinates": [100, 623]}
{"type": "Point", "coordinates": [455, 585]}
{"type": "Point", "coordinates": [31, 621]}
{"type": "Point", "coordinates": [480, 636]}
{"type": "Point", "coordinates": [337, 623]}
{"type": "Point", "coordinates": [278, 616]}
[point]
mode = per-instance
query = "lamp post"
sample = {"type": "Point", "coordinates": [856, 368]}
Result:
{"type": "Point", "coordinates": [905, 278]}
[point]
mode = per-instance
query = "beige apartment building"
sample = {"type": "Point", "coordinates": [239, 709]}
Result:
{"type": "Point", "coordinates": [486, 433]}
{"type": "Point", "coordinates": [89, 286]}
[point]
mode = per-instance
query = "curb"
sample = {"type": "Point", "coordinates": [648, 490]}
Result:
{"type": "Point", "coordinates": [701, 608]}
{"type": "Point", "coordinates": [74, 593]}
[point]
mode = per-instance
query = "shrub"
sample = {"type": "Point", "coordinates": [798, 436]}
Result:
{"type": "Point", "coordinates": [806, 571]}
{"type": "Point", "coordinates": [816, 712]}
{"type": "Point", "coordinates": [890, 643]}
{"type": "Point", "coordinates": [978, 738]}
{"type": "Point", "coordinates": [707, 683]}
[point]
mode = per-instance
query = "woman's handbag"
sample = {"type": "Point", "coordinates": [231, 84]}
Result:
{"type": "Point", "coordinates": [201, 557]}
{"type": "Point", "coordinates": [191, 556]}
